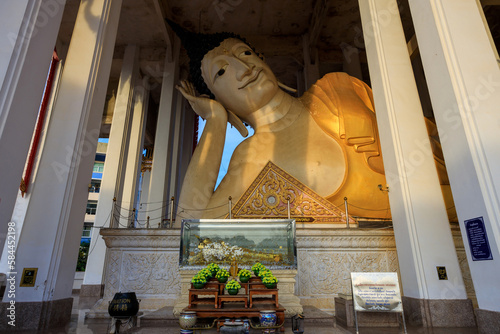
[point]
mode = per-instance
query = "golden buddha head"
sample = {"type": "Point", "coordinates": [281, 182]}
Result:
{"type": "Point", "coordinates": [240, 80]}
{"type": "Point", "coordinates": [225, 67]}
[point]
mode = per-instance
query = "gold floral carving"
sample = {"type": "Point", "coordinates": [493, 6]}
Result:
{"type": "Point", "coordinates": [269, 193]}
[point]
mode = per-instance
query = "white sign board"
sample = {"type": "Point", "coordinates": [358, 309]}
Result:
{"type": "Point", "coordinates": [376, 292]}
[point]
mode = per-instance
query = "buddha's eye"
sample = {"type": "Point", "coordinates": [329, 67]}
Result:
{"type": "Point", "coordinates": [220, 72]}
{"type": "Point", "coordinates": [245, 53]}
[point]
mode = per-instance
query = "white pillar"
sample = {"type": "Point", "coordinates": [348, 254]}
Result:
{"type": "Point", "coordinates": [464, 84]}
{"type": "Point", "coordinates": [423, 236]}
{"type": "Point", "coordinates": [134, 156]}
{"type": "Point", "coordinates": [107, 215]}
{"type": "Point", "coordinates": [142, 215]}
{"type": "Point", "coordinates": [22, 202]}
{"type": "Point", "coordinates": [176, 151]}
{"type": "Point", "coordinates": [188, 122]}
{"type": "Point", "coordinates": [54, 219]}
{"type": "Point", "coordinates": [158, 188]}
{"type": "Point", "coordinates": [28, 32]}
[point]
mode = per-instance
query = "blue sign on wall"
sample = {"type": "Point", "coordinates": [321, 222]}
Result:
{"type": "Point", "coordinates": [478, 239]}
{"type": "Point", "coordinates": [97, 176]}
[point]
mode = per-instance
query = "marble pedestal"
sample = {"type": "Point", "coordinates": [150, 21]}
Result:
{"type": "Point", "coordinates": [327, 256]}
{"type": "Point", "coordinates": [144, 261]}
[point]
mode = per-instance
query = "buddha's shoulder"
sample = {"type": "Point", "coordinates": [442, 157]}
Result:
{"type": "Point", "coordinates": [335, 82]}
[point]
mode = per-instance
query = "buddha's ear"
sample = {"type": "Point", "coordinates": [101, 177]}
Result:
{"type": "Point", "coordinates": [237, 123]}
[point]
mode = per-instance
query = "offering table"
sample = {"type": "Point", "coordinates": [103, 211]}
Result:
{"type": "Point", "coordinates": [236, 310]}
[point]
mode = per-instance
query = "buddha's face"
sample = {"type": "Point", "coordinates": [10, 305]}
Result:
{"type": "Point", "coordinates": [238, 78]}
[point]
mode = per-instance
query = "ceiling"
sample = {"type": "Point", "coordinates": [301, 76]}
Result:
{"type": "Point", "coordinates": [274, 28]}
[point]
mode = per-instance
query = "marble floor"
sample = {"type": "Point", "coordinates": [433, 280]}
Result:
{"type": "Point", "coordinates": [317, 322]}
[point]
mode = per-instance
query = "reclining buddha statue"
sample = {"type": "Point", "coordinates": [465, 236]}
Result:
{"type": "Point", "coordinates": [327, 138]}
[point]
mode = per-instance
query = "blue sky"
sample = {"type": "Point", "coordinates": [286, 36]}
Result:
{"type": "Point", "coordinates": [233, 139]}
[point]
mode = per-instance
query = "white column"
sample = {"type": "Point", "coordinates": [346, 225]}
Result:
{"type": "Point", "coordinates": [421, 227]}
{"type": "Point", "coordinates": [22, 202]}
{"type": "Point", "coordinates": [54, 219]}
{"type": "Point", "coordinates": [187, 143]}
{"type": "Point", "coordinates": [464, 84]}
{"type": "Point", "coordinates": [107, 215]}
{"type": "Point", "coordinates": [186, 151]}
{"type": "Point", "coordinates": [28, 32]}
{"type": "Point", "coordinates": [143, 201]}
{"type": "Point", "coordinates": [134, 156]}
{"type": "Point", "coordinates": [158, 188]}
{"type": "Point", "coordinates": [176, 150]}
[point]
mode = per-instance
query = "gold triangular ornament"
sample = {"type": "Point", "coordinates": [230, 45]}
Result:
{"type": "Point", "coordinates": [269, 193]}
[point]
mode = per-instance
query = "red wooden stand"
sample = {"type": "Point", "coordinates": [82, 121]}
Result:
{"type": "Point", "coordinates": [235, 306]}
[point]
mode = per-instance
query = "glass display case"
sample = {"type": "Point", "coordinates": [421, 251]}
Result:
{"type": "Point", "coordinates": [268, 241]}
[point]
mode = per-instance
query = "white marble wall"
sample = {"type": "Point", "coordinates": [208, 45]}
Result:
{"type": "Point", "coordinates": [146, 261]}
{"type": "Point", "coordinates": [327, 257]}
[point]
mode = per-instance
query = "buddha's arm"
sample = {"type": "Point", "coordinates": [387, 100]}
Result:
{"type": "Point", "coordinates": [201, 175]}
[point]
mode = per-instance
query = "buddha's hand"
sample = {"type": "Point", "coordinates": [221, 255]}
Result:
{"type": "Point", "coordinates": [202, 105]}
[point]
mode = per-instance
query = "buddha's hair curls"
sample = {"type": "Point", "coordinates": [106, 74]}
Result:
{"type": "Point", "coordinates": [197, 46]}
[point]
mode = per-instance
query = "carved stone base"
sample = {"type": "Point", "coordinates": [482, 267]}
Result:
{"type": "Point", "coordinates": [326, 258]}
{"type": "Point", "coordinates": [182, 301]}
{"type": "Point", "coordinates": [144, 261]}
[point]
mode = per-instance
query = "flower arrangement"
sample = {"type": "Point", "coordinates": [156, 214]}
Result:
{"type": "Point", "coordinates": [199, 279]}
{"type": "Point", "coordinates": [205, 272]}
{"type": "Point", "coordinates": [244, 273]}
{"type": "Point", "coordinates": [257, 267]}
{"type": "Point", "coordinates": [222, 273]}
{"type": "Point", "coordinates": [269, 280]}
{"type": "Point", "coordinates": [233, 285]}
{"type": "Point", "coordinates": [264, 273]}
{"type": "Point", "coordinates": [213, 267]}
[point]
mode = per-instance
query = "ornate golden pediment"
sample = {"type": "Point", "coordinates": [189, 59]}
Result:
{"type": "Point", "coordinates": [269, 193]}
